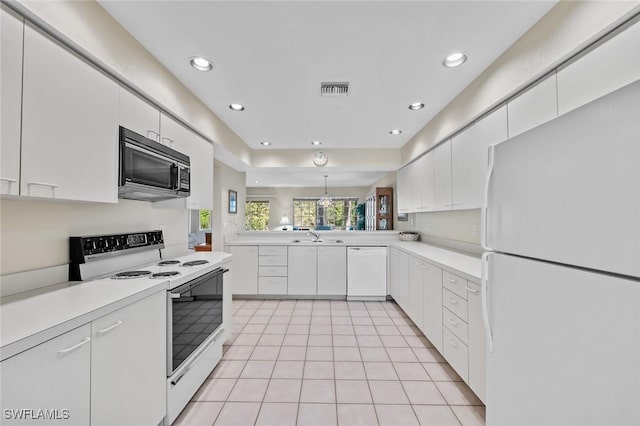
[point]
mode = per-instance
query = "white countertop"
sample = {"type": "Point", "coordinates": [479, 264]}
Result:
{"type": "Point", "coordinates": [466, 265]}
{"type": "Point", "coordinates": [27, 322]}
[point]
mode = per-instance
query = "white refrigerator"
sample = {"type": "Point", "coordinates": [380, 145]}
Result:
{"type": "Point", "coordinates": [561, 269]}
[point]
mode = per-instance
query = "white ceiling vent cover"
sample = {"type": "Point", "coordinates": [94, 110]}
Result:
{"type": "Point", "coordinates": [333, 88]}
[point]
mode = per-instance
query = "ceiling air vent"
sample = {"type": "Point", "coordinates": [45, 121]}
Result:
{"type": "Point", "coordinates": [334, 89]}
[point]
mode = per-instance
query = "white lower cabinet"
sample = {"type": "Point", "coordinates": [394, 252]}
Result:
{"type": "Point", "coordinates": [456, 353]}
{"type": "Point", "coordinates": [432, 300]}
{"type": "Point", "coordinates": [245, 274]}
{"type": "Point", "coordinates": [399, 275]}
{"type": "Point", "coordinates": [128, 364]}
{"type": "Point", "coordinates": [302, 270]}
{"type": "Point", "coordinates": [53, 376]}
{"type": "Point", "coordinates": [477, 343]}
{"type": "Point", "coordinates": [111, 371]}
{"type": "Point", "coordinates": [416, 292]}
{"type": "Point", "coordinates": [332, 271]}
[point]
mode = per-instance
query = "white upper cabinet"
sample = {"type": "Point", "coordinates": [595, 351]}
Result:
{"type": "Point", "coordinates": [11, 28]}
{"type": "Point", "coordinates": [424, 184]}
{"type": "Point", "coordinates": [138, 115]}
{"type": "Point", "coordinates": [442, 176]}
{"type": "Point", "coordinates": [173, 134]}
{"type": "Point", "coordinates": [404, 190]}
{"type": "Point", "coordinates": [608, 67]}
{"type": "Point", "coordinates": [470, 158]}
{"type": "Point", "coordinates": [537, 105]}
{"type": "Point", "coordinates": [69, 125]}
{"type": "Point", "coordinates": [200, 153]}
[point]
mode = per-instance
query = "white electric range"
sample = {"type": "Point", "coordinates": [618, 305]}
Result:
{"type": "Point", "coordinates": [198, 300]}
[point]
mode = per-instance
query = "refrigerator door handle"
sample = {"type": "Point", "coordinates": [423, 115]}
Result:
{"type": "Point", "coordinates": [485, 306]}
{"type": "Point", "coordinates": [485, 200]}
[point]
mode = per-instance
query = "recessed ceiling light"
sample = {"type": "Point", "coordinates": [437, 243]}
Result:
{"type": "Point", "coordinates": [454, 60]}
{"type": "Point", "coordinates": [265, 143]}
{"type": "Point", "coordinates": [236, 107]}
{"type": "Point", "coordinates": [200, 63]}
{"type": "Point", "coordinates": [395, 132]}
{"type": "Point", "coordinates": [316, 143]}
{"type": "Point", "coordinates": [416, 106]}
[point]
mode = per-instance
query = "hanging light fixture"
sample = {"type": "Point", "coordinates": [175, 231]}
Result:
{"type": "Point", "coordinates": [325, 201]}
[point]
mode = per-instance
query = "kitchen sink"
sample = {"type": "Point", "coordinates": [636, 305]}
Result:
{"type": "Point", "coordinates": [318, 241]}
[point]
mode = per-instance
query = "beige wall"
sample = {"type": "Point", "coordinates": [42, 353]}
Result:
{"type": "Point", "coordinates": [224, 223]}
{"type": "Point", "coordinates": [281, 199]}
{"type": "Point", "coordinates": [567, 28]}
{"type": "Point", "coordinates": [35, 234]}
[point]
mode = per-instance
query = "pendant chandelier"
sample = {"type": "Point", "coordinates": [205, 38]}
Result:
{"type": "Point", "coordinates": [325, 201]}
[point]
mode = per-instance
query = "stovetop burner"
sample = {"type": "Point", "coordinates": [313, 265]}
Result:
{"type": "Point", "coordinates": [130, 274]}
{"type": "Point", "coordinates": [165, 274]}
{"type": "Point", "coordinates": [168, 262]}
{"type": "Point", "coordinates": [195, 263]}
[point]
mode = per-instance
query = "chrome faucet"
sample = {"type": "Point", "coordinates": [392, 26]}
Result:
{"type": "Point", "coordinates": [315, 236]}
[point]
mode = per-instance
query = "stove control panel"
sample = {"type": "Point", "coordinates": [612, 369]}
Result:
{"type": "Point", "coordinates": [83, 249]}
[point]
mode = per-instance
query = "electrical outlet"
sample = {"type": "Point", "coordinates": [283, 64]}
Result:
{"type": "Point", "coordinates": [475, 229]}
{"type": "Point", "coordinates": [429, 227]}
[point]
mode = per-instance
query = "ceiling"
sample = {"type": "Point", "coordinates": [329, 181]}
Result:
{"type": "Point", "coordinates": [271, 57]}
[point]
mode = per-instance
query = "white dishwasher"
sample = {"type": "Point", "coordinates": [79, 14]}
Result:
{"type": "Point", "coordinates": [366, 273]}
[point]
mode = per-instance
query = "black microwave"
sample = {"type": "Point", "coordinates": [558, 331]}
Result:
{"type": "Point", "coordinates": [150, 171]}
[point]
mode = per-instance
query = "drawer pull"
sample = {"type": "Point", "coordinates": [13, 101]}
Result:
{"type": "Point", "coordinates": [84, 341]}
{"type": "Point", "coordinates": [452, 322]}
{"type": "Point", "coordinates": [471, 290]}
{"type": "Point", "coordinates": [453, 343]}
{"type": "Point", "coordinates": [157, 135]}
{"type": "Point", "coordinates": [451, 280]}
{"type": "Point", "coordinates": [10, 180]}
{"type": "Point", "coordinates": [452, 301]}
{"type": "Point", "coordinates": [108, 329]}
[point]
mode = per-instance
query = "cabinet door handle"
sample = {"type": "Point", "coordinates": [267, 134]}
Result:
{"type": "Point", "coordinates": [111, 327]}
{"type": "Point", "coordinates": [168, 140]}
{"type": "Point", "coordinates": [471, 290]}
{"type": "Point", "coordinates": [10, 180]}
{"type": "Point", "coordinates": [452, 322]}
{"type": "Point", "coordinates": [452, 301]}
{"type": "Point", "coordinates": [84, 341]}
{"type": "Point", "coordinates": [451, 280]}
{"type": "Point", "coordinates": [453, 343]}
{"type": "Point", "coordinates": [157, 138]}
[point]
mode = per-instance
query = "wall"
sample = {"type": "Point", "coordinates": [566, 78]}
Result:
{"type": "Point", "coordinates": [281, 199]}
{"type": "Point", "coordinates": [566, 29]}
{"type": "Point", "coordinates": [224, 223]}
{"type": "Point", "coordinates": [35, 234]}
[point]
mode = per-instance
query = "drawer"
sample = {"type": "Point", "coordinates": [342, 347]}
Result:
{"type": "Point", "coordinates": [457, 354]}
{"type": "Point", "coordinates": [272, 260]}
{"type": "Point", "coordinates": [454, 283]}
{"type": "Point", "coordinates": [273, 250]}
{"type": "Point", "coordinates": [272, 271]}
{"type": "Point", "coordinates": [454, 303]}
{"type": "Point", "coordinates": [456, 325]}
{"type": "Point", "coordinates": [272, 285]}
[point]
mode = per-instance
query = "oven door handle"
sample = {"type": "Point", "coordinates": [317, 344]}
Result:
{"type": "Point", "coordinates": [195, 357]}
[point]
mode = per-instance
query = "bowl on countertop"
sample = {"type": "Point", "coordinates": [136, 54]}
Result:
{"type": "Point", "coordinates": [409, 236]}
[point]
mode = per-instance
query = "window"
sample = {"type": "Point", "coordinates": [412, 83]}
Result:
{"type": "Point", "coordinates": [256, 214]}
{"type": "Point", "coordinates": [205, 220]}
{"type": "Point", "coordinates": [341, 214]}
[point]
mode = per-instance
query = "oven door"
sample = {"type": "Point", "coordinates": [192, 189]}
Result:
{"type": "Point", "coordinates": [196, 314]}
{"type": "Point", "coordinates": [144, 167]}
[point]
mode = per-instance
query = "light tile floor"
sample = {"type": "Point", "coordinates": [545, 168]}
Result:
{"type": "Point", "coordinates": [320, 362]}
